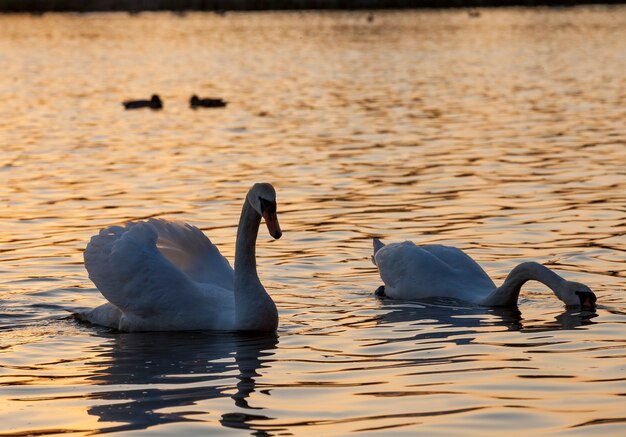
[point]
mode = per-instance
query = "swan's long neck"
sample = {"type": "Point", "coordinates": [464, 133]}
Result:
{"type": "Point", "coordinates": [508, 292]}
{"type": "Point", "coordinates": [245, 247]}
{"type": "Point", "coordinates": [254, 308]}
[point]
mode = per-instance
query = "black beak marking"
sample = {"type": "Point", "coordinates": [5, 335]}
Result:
{"type": "Point", "coordinates": [587, 300]}
{"type": "Point", "coordinates": [380, 291]}
{"type": "Point", "coordinates": [268, 205]}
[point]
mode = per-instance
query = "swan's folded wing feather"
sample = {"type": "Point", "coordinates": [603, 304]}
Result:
{"type": "Point", "coordinates": [415, 272]}
{"type": "Point", "coordinates": [474, 275]}
{"type": "Point", "coordinates": [132, 274]}
{"type": "Point", "coordinates": [191, 251]}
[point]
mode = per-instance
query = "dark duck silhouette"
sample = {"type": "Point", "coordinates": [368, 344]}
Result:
{"type": "Point", "coordinates": [196, 102]}
{"type": "Point", "coordinates": [153, 103]}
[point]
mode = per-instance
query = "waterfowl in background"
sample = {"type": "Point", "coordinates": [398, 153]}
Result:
{"type": "Point", "coordinates": [160, 275]}
{"type": "Point", "coordinates": [414, 272]}
{"type": "Point", "coordinates": [196, 102]}
{"type": "Point", "coordinates": [153, 103]}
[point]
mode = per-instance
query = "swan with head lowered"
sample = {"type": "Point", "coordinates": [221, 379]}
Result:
{"type": "Point", "coordinates": [415, 272]}
{"type": "Point", "coordinates": [167, 276]}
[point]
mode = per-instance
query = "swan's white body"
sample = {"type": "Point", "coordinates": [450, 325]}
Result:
{"type": "Point", "coordinates": [415, 272]}
{"type": "Point", "coordinates": [165, 276]}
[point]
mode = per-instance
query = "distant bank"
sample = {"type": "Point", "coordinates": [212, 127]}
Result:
{"type": "Point", "coordinates": [251, 5]}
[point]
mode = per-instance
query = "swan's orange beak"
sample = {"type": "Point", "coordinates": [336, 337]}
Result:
{"type": "Point", "coordinates": [271, 220]}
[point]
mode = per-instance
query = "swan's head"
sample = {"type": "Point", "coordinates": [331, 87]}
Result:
{"type": "Point", "coordinates": [575, 294]}
{"type": "Point", "coordinates": [262, 197]}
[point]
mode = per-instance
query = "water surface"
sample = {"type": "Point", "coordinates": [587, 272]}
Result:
{"type": "Point", "coordinates": [502, 135]}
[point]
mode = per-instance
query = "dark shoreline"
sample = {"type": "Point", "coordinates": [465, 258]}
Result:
{"type": "Point", "coordinates": [41, 6]}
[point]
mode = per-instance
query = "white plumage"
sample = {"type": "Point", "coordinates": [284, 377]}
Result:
{"type": "Point", "coordinates": [416, 272]}
{"type": "Point", "coordinates": [160, 275]}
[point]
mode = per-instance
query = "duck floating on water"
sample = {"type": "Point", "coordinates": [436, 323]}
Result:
{"type": "Point", "coordinates": [154, 103]}
{"type": "Point", "coordinates": [209, 102]}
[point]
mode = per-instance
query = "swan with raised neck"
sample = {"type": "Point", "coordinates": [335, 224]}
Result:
{"type": "Point", "coordinates": [161, 275]}
{"type": "Point", "coordinates": [254, 308]}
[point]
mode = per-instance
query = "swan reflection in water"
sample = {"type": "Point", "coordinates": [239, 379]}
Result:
{"type": "Point", "coordinates": [452, 314]}
{"type": "Point", "coordinates": [173, 370]}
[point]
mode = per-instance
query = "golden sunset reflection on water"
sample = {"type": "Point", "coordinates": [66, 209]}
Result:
{"type": "Point", "coordinates": [502, 135]}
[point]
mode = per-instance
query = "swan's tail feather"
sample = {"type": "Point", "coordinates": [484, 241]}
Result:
{"type": "Point", "coordinates": [377, 246]}
{"type": "Point", "coordinates": [105, 315]}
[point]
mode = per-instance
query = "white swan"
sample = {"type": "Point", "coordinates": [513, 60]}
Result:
{"type": "Point", "coordinates": [417, 272]}
{"type": "Point", "coordinates": [168, 276]}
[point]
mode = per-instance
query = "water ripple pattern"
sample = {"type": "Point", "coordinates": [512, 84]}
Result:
{"type": "Point", "coordinates": [502, 134]}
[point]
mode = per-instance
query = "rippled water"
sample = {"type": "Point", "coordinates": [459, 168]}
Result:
{"type": "Point", "coordinates": [503, 135]}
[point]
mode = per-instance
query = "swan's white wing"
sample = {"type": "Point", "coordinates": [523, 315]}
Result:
{"type": "Point", "coordinates": [414, 272]}
{"type": "Point", "coordinates": [133, 275]}
{"type": "Point", "coordinates": [191, 251]}
{"type": "Point", "coordinates": [461, 262]}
